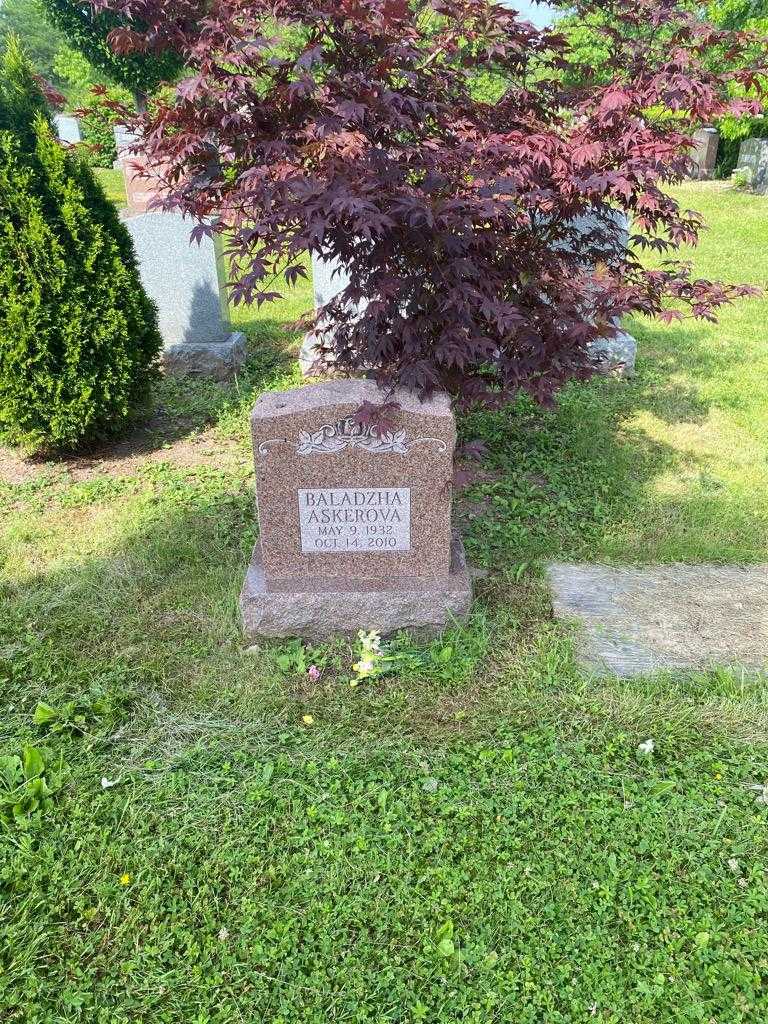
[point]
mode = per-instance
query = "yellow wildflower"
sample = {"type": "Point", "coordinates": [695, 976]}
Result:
{"type": "Point", "coordinates": [307, 719]}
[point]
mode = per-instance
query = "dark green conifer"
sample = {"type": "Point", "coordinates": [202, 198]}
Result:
{"type": "Point", "coordinates": [78, 335]}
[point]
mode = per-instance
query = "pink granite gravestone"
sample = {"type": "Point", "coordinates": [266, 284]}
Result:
{"type": "Point", "coordinates": [355, 523]}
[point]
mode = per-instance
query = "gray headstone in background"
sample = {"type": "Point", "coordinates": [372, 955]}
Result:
{"type": "Point", "coordinates": [186, 282]}
{"type": "Point", "coordinates": [123, 138]}
{"type": "Point", "coordinates": [67, 128]}
{"type": "Point", "coordinates": [588, 222]}
{"type": "Point", "coordinates": [616, 356]}
{"type": "Point", "coordinates": [753, 156]}
{"type": "Point", "coordinates": [329, 277]}
{"type": "Point", "coordinates": [704, 154]}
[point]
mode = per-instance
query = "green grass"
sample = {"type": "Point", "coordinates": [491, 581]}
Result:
{"type": "Point", "coordinates": [473, 837]}
{"type": "Point", "coordinates": [111, 179]}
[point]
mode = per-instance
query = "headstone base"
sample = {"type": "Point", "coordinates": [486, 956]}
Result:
{"type": "Point", "coordinates": [220, 360]}
{"type": "Point", "coordinates": [424, 607]}
{"type": "Point", "coordinates": [616, 356]}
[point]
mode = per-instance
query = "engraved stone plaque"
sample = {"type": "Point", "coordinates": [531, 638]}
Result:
{"type": "Point", "coordinates": [345, 505]}
{"type": "Point", "coordinates": [354, 518]}
{"type": "Point", "coordinates": [348, 520]}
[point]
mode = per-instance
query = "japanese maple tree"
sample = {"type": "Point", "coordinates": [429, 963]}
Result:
{"type": "Point", "coordinates": [440, 150]}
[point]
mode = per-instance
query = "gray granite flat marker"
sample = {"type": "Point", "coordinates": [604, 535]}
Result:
{"type": "Point", "coordinates": [753, 157]}
{"type": "Point", "coordinates": [634, 621]}
{"type": "Point", "coordinates": [67, 128]}
{"type": "Point", "coordinates": [185, 281]}
{"type": "Point", "coordinates": [355, 523]}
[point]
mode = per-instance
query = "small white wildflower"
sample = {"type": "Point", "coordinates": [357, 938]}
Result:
{"type": "Point", "coordinates": [109, 783]}
{"type": "Point", "coordinates": [734, 865]}
{"type": "Point", "coordinates": [223, 935]}
{"type": "Point", "coordinates": [646, 747]}
{"type": "Point", "coordinates": [743, 883]}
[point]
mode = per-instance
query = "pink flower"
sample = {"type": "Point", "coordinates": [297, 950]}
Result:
{"type": "Point", "coordinates": [314, 673]}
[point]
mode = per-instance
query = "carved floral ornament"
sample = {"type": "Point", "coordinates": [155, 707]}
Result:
{"type": "Point", "coordinates": [347, 433]}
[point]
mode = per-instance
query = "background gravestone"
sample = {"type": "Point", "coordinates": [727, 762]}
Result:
{"type": "Point", "coordinates": [355, 524]}
{"type": "Point", "coordinates": [329, 277]}
{"type": "Point", "coordinates": [123, 139]}
{"type": "Point", "coordinates": [68, 128]}
{"type": "Point", "coordinates": [753, 156]}
{"type": "Point", "coordinates": [704, 154]}
{"type": "Point", "coordinates": [186, 282]}
{"type": "Point", "coordinates": [141, 184]}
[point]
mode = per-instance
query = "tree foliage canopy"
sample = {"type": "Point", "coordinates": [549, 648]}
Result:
{"type": "Point", "coordinates": [351, 128]}
{"type": "Point", "coordinates": [26, 19]}
{"type": "Point", "coordinates": [87, 33]}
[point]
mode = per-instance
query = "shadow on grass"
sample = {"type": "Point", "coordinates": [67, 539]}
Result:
{"type": "Point", "coordinates": [184, 407]}
{"type": "Point", "coordinates": [602, 477]}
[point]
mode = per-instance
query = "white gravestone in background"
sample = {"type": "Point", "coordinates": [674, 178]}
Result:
{"type": "Point", "coordinates": [186, 282]}
{"type": "Point", "coordinates": [67, 128]}
{"type": "Point", "coordinates": [123, 139]}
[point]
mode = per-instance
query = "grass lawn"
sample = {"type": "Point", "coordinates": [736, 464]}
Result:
{"type": "Point", "coordinates": [474, 837]}
{"type": "Point", "coordinates": [111, 179]}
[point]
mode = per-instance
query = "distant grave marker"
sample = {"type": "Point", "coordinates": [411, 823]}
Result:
{"type": "Point", "coordinates": [704, 154]}
{"type": "Point", "coordinates": [753, 157]}
{"type": "Point", "coordinates": [68, 128]}
{"type": "Point", "coordinates": [186, 282]}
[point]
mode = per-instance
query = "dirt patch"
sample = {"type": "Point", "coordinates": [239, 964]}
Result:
{"type": "Point", "coordinates": [125, 457]}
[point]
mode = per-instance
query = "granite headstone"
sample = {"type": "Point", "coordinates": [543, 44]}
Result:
{"type": "Point", "coordinates": [704, 154]}
{"type": "Point", "coordinates": [185, 280]}
{"type": "Point", "coordinates": [355, 522]}
{"type": "Point", "coordinates": [753, 157]}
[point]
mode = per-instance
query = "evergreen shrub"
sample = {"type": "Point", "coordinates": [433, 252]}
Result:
{"type": "Point", "coordinates": [78, 335]}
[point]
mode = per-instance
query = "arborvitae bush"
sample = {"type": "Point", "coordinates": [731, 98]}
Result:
{"type": "Point", "coordinates": [78, 335]}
